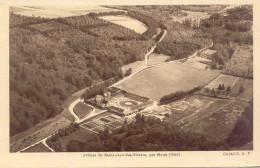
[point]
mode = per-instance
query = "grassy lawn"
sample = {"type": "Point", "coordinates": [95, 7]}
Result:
{"type": "Point", "coordinates": [82, 110]}
{"type": "Point", "coordinates": [135, 66]}
{"type": "Point", "coordinates": [170, 77]}
{"type": "Point", "coordinates": [157, 58]}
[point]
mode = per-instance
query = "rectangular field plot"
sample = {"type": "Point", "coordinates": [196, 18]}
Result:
{"type": "Point", "coordinates": [82, 110]}
{"type": "Point", "coordinates": [98, 129]}
{"type": "Point", "coordinates": [187, 110]}
{"type": "Point", "coordinates": [116, 124]}
{"type": "Point", "coordinates": [170, 77]}
{"type": "Point", "coordinates": [37, 148]}
{"type": "Point", "coordinates": [88, 125]}
{"type": "Point", "coordinates": [227, 80]}
{"type": "Point", "coordinates": [218, 125]}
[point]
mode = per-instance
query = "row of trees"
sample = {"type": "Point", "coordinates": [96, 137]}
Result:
{"type": "Point", "coordinates": [177, 95]}
{"type": "Point", "coordinates": [97, 89]}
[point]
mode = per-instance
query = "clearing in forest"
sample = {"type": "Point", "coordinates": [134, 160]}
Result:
{"type": "Point", "coordinates": [167, 78]}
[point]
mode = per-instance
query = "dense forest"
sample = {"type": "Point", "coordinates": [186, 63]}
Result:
{"type": "Point", "coordinates": [228, 31]}
{"type": "Point", "coordinates": [52, 58]}
{"type": "Point", "coordinates": [180, 41]}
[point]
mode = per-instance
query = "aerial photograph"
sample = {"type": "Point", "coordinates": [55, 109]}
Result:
{"type": "Point", "coordinates": [129, 78]}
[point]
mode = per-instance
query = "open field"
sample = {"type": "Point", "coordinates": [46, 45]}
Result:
{"type": "Point", "coordinates": [193, 107]}
{"type": "Point", "coordinates": [27, 138]}
{"type": "Point", "coordinates": [127, 22]}
{"type": "Point", "coordinates": [235, 83]}
{"type": "Point", "coordinates": [241, 63]}
{"type": "Point", "coordinates": [218, 125]}
{"type": "Point", "coordinates": [135, 66]}
{"type": "Point", "coordinates": [170, 77]}
{"type": "Point", "coordinates": [157, 58]}
{"type": "Point", "coordinates": [195, 64]}
{"type": "Point", "coordinates": [58, 11]}
{"type": "Point", "coordinates": [82, 110]}
{"type": "Point", "coordinates": [212, 117]}
{"type": "Point", "coordinates": [227, 80]}
{"type": "Point", "coordinates": [37, 148]}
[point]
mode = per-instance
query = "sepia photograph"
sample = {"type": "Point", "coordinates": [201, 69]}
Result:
{"type": "Point", "coordinates": [131, 78]}
{"type": "Point", "coordinates": [129, 84]}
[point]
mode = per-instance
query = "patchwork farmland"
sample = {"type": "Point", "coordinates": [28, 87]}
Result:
{"type": "Point", "coordinates": [170, 77]}
{"type": "Point", "coordinates": [208, 116]}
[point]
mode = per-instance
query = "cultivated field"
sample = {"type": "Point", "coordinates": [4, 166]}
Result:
{"type": "Point", "coordinates": [157, 58]}
{"type": "Point", "coordinates": [127, 22]}
{"type": "Point", "coordinates": [227, 80]}
{"type": "Point", "coordinates": [37, 133]}
{"type": "Point", "coordinates": [235, 83]}
{"type": "Point", "coordinates": [241, 63]}
{"type": "Point", "coordinates": [38, 148]}
{"type": "Point", "coordinates": [193, 107]}
{"type": "Point", "coordinates": [170, 77]}
{"type": "Point", "coordinates": [58, 11]}
{"type": "Point", "coordinates": [218, 125]}
{"type": "Point", "coordinates": [106, 120]}
{"type": "Point", "coordinates": [82, 110]}
{"type": "Point", "coordinates": [209, 116]}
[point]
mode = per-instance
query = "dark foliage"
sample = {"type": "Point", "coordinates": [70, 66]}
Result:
{"type": "Point", "coordinates": [145, 134]}
{"type": "Point", "coordinates": [52, 58]}
{"type": "Point", "coordinates": [178, 95]}
{"type": "Point", "coordinates": [243, 130]}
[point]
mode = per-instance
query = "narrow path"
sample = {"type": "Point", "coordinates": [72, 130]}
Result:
{"type": "Point", "coordinates": [44, 143]}
{"type": "Point", "coordinates": [71, 107]}
{"type": "Point", "coordinates": [145, 61]}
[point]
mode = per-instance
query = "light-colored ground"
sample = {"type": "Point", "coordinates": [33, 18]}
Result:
{"type": "Point", "coordinates": [40, 147]}
{"type": "Point", "coordinates": [191, 15]}
{"type": "Point", "coordinates": [135, 66]}
{"type": "Point", "coordinates": [241, 62]}
{"type": "Point", "coordinates": [157, 58]}
{"type": "Point", "coordinates": [227, 80]}
{"type": "Point", "coordinates": [127, 22]}
{"type": "Point", "coordinates": [170, 77]}
{"type": "Point", "coordinates": [58, 11]}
